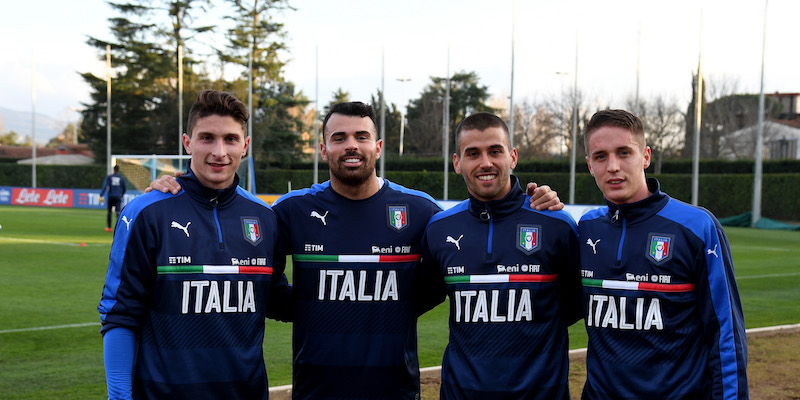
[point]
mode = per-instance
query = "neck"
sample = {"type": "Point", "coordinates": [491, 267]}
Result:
{"type": "Point", "coordinates": [359, 191]}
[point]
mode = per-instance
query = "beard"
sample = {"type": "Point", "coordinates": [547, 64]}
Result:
{"type": "Point", "coordinates": [353, 176]}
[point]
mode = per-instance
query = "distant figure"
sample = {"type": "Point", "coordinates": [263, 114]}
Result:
{"type": "Point", "coordinates": [116, 189]}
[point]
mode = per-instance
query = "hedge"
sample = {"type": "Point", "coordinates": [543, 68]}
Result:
{"type": "Point", "coordinates": [723, 194]}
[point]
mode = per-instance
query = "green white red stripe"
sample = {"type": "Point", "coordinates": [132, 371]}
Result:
{"type": "Point", "coordinates": [341, 258]}
{"type": "Point", "coordinates": [214, 269]}
{"type": "Point", "coordinates": [500, 278]}
{"type": "Point", "coordinates": [644, 286]}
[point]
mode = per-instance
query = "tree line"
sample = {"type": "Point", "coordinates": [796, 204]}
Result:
{"type": "Point", "coordinates": [147, 36]}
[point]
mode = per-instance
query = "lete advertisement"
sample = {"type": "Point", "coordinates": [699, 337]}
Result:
{"type": "Point", "coordinates": [45, 197]}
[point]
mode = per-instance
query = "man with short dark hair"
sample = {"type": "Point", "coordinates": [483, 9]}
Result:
{"type": "Point", "coordinates": [511, 273]}
{"type": "Point", "coordinates": [192, 276]}
{"type": "Point", "coordinates": [357, 288]}
{"type": "Point", "coordinates": [663, 313]}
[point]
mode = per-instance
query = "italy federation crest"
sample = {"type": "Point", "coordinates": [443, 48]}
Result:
{"type": "Point", "coordinates": [251, 228]}
{"type": "Point", "coordinates": [660, 246]}
{"type": "Point", "coordinates": [528, 239]}
{"type": "Point", "coordinates": [398, 217]}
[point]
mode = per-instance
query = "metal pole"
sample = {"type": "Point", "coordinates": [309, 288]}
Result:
{"type": "Point", "coordinates": [756, 214]}
{"type": "Point", "coordinates": [511, 96]}
{"type": "Point", "coordinates": [180, 106]}
{"type": "Point", "coordinates": [383, 115]}
{"type": "Point", "coordinates": [638, 67]}
{"type": "Point", "coordinates": [403, 114]}
{"type": "Point", "coordinates": [574, 128]}
{"type": "Point", "coordinates": [250, 120]}
{"type": "Point", "coordinates": [698, 114]}
{"type": "Point", "coordinates": [108, 109]}
{"type": "Point", "coordinates": [446, 131]}
{"type": "Point", "coordinates": [316, 115]}
{"type": "Point", "coordinates": [33, 120]}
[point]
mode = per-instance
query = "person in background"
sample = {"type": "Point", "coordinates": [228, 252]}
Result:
{"type": "Point", "coordinates": [662, 308]}
{"type": "Point", "coordinates": [115, 185]}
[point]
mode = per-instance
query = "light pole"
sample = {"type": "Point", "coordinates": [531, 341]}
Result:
{"type": "Point", "coordinates": [403, 114]}
{"type": "Point", "coordinates": [562, 74]}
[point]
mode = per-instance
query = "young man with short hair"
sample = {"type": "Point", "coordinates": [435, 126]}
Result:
{"type": "Point", "coordinates": [663, 313]}
{"type": "Point", "coordinates": [191, 277]}
{"type": "Point", "coordinates": [511, 273]}
{"type": "Point", "coordinates": [115, 185]}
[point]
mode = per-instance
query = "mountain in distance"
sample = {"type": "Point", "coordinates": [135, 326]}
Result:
{"type": "Point", "coordinates": [47, 127]}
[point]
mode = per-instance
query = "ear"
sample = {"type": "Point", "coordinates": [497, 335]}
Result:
{"type": "Point", "coordinates": [456, 164]}
{"type": "Point", "coordinates": [187, 141]}
{"type": "Point", "coordinates": [646, 155]}
{"type": "Point", "coordinates": [379, 148]}
{"type": "Point", "coordinates": [589, 164]}
{"type": "Point", "coordinates": [323, 151]}
{"type": "Point", "coordinates": [246, 145]}
{"type": "Point", "coordinates": [514, 158]}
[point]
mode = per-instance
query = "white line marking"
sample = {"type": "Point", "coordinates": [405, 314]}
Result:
{"type": "Point", "coordinates": [767, 276]}
{"type": "Point", "coordinates": [47, 328]}
{"type": "Point", "coordinates": [22, 240]}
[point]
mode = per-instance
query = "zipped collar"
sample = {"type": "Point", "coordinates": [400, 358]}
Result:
{"type": "Point", "coordinates": [206, 195]}
{"type": "Point", "coordinates": [642, 209]}
{"type": "Point", "coordinates": [487, 210]}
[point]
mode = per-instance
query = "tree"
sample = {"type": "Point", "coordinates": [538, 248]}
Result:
{"type": "Point", "coordinates": [536, 131]}
{"type": "Point", "coordinates": [67, 136]}
{"type": "Point", "coordinates": [144, 91]}
{"type": "Point", "coordinates": [13, 139]}
{"type": "Point", "coordinates": [727, 113]}
{"type": "Point", "coordinates": [277, 114]}
{"type": "Point", "coordinates": [425, 121]}
{"type": "Point", "coordinates": [663, 122]}
{"type": "Point", "coordinates": [391, 142]}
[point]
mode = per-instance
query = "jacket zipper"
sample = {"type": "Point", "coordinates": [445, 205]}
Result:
{"type": "Point", "coordinates": [214, 204]}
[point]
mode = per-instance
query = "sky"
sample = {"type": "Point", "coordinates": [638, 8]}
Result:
{"type": "Point", "coordinates": [344, 43]}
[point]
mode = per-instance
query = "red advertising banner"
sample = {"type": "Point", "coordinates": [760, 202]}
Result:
{"type": "Point", "coordinates": [42, 197]}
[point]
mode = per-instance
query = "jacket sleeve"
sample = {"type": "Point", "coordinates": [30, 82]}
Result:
{"type": "Point", "coordinates": [279, 304]}
{"type": "Point", "coordinates": [131, 274]}
{"type": "Point", "coordinates": [119, 347]}
{"type": "Point", "coordinates": [570, 280]}
{"type": "Point", "coordinates": [721, 310]}
{"type": "Point", "coordinates": [429, 287]}
{"type": "Point", "coordinates": [105, 186]}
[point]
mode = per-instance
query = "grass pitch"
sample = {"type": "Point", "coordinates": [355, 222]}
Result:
{"type": "Point", "coordinates": [50, 345]}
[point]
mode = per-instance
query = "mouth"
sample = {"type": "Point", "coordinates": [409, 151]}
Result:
{"type": "Point", "coordinates": [216, 165]}
{"type": "Point", "coordinates": [487, 177]}
{"type": "Point", "coordinates": [616, 181]}
{"type": "Point", "coordinates": [351, 161]}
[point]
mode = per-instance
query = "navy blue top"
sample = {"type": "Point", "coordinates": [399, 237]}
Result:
{"type": "Point", "coordinates": [663, 312]}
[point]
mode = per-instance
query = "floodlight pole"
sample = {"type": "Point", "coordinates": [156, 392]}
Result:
{"type": "Point", "coordinates": [383, 114]}
{"type": "Point", "coordinates": [180, 106]}
{"type": "Point", "coordinates": [574, 127]}
{"type": "Point", "coordinates": [250, 120]}
{"type": "Point", "coordinates": [756, 213]}
{"type": "Point", "coordinates": [33, 121]}
{"type": "Point", "coordinates": [511, 95]}
{"type": "Point", "coordinates": [446, 129]}
{"type": "Point", "coordinates": [698, 115]}
{"type": "Point", "coordinates": [403, 114]}
{"type": "Point", "coordinates": [108, 109]}
{"type": "Point", "coordinates": [316, 115]}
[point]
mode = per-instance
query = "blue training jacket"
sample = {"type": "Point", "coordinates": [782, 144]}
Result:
{"type": "Point", "coordinates": [663, 312]}
{"type": "Point", "coordinates": [193, 276]}
{"type": "Point", "coordinates": [115, 185]}
{"type": "Point", "coordinates": [354, 268]}
{"type": "Point", "coordinates": [511, 273]}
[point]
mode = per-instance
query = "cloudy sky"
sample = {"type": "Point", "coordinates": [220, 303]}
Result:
{"type": "Point", "coordinates": [351, 39]}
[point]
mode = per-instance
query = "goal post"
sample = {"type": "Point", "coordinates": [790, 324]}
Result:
{"type": "Point", "coordinates": [140, 170]}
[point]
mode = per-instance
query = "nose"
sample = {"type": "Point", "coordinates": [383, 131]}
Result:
{"type": "Point", "coordinates": [485, 161]}
{"type": "Point", "coordinates": [613, 163]}
{"type": "Point", "coordinates": [218, 148]}
{"type": "Point", "coordinates": [350, 143]}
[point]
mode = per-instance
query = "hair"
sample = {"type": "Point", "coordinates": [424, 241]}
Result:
{"type": "Point", "coordinates": [350, 109]}
{"type": "Point", "coordinates": [480, 121]}
{"type": "Point", "coordinates": [615, 118]}
{"type": "Point", "coordinates": [116, 168]}
{"type": "Point", "coordinates": [215, 102]}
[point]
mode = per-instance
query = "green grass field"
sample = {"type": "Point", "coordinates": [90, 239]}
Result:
{"type": "Point", "coordinates": [50, 346]}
